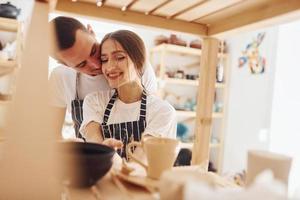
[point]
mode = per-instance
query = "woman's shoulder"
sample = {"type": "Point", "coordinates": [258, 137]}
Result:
{"type": "Point", "coordinates": [62, 76]}
{"type": "Point", "coordinates": [105, 94]}
{"type": "Point", "coordinates": [157, 104]}
{"type": "Point", "coordinates": [102, 96]}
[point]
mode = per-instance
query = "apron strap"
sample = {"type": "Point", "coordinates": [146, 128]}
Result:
{"type": "Point", "coordinates": [143, 106]}
{"type": "Point", "coordinates": [112, 101]}
{"type": "Point", "coordinates": [109, 107]}
{"type": "Point", "coordinates": [77, 85]}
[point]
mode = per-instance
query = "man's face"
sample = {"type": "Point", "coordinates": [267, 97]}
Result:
{"type": "Point", "coordinates": [84, 55]}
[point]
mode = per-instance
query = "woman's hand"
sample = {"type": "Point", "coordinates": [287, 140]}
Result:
{"type": "Point", "coordinates": [111, 142]}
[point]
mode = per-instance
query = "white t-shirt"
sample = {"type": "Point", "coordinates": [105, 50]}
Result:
{"type": "Point", "coordinates": [63, 85]}
{"type": "Point", "coordinates": [160, 115]}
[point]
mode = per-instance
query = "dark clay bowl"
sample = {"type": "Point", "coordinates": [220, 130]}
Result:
{"type": "Point", "coordinates": [84, 163]}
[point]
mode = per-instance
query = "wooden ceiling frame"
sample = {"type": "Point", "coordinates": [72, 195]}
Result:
{"type": "Point", "coordinates": [128, 16]}
{"type": "Point", "coordinates": [265, 13]}
{"type": "Point", "coordinates": [217, 11]}
{"type": "Point", "coordinates": [205, 8]}
{"type": "Point", "coordinates": [128, 6]}
{"type": "Point", "coordinates": [268, 14]}
{"type": "Point", "coordinates": [158, 7]}
{"type": "Point", "coordinates": [103, 2]}
{"type": "Point", "coordinates": [187, 9]}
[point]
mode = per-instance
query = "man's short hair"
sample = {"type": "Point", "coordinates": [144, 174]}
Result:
{"type": "Point", "coordinates": [65, 31]}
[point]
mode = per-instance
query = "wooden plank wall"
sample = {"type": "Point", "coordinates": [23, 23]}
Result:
{"type": "Point", "coordinates": [29, 163]}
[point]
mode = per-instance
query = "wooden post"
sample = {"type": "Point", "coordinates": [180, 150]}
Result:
{"type": "Point", "coordinates": [205, 100]}
{"type": "Point", "coordinates": [29, 164]}
{"type": "Point", "coordinates": [223, 59]}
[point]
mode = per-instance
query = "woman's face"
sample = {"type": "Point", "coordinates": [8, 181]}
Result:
{"type": "Point", "coordinates": [117, 66]}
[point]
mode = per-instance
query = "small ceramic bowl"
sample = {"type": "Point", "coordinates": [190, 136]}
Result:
{"type": "Point", "coordinates": [84, 163]}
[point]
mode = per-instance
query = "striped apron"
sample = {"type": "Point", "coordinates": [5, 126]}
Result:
{"type": "Point", "coordinates": [125, 131]}
{"type": "Point", "coordinates": [76, 110]}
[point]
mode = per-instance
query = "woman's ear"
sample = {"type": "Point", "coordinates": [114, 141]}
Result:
{"type": "Point", "coordinates": [90, 30]}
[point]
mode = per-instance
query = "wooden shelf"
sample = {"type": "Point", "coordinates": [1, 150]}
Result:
{"type": "Point", "coordinates": [182, 113]}
{"type": "Point", "coordinates": [177, 49]}
{"type": "Point", "coordinates": [191, 114]}
{"type": "Point", "coordinates": [7, 66]}
{"type": "Point", "coordinates": [10, 25]}
{"type": "Point", "coordinates": [181, 81]}
{"type": "Point", "coordinates": [8, 63]}
{"type": "Point", "coordinates": [180, 50]}
{"type": "Point", "coordinates": [4, 103]}
{"type": "Point", "coordinates": [189, 117]}
{"type": "Point", "coordinates": [218, 115]}
{"type": "Point", "coordinates": [189, 145]}
{"type": "Point", "coordinates": [189, 82]}
{"type": "Point", "coordinates": [220, 85]}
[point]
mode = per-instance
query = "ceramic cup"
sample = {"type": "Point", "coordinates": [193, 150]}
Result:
{"type": "Point", "coordinates": [160, 153]}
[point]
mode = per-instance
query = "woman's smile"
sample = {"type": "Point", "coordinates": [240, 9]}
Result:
{"type": "Point", "coordinates": [114, 75]}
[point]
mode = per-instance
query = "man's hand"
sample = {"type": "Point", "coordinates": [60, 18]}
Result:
{"type": "Point", "coordinates": [111, 142]}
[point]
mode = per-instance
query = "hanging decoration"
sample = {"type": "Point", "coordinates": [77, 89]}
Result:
{"type": "Point", "coordinates": [251, 56]}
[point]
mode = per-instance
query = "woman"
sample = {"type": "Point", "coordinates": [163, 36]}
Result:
{"type": "Point", "coordinates": [124, 114]}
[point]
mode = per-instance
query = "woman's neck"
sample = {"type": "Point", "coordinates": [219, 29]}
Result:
{"type": "Point", "coordinates": [130, 92]}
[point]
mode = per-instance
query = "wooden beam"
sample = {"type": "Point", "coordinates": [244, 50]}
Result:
{"type": "Point", "coordinates": [270, 13]}
{"type": "Point", "coordinates": [187, 9]}
{"type": "Point", "coordinates": [91, 10]}
{"type": "Point", "coordinates": [128, 6]}
{"type": "Point", "coordinates": [28, 163]}
{"type": "Point", "coordinates": [222, 10]}
{"type": "Point", "coordinates": [205, 99]}
{"type": "Point", "coordinates": [158, 7]}
{"type": "Point", "coordinates": [174, 7]}
{"type": "Point", "coordinates": [204, 9]}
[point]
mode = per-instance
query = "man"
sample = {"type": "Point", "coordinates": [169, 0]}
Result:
{"type": "Point", "coordinates": [80, 73]}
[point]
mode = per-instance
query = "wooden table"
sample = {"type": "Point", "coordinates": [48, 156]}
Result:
{"type": "Point", "coordinates": [112, 187]}
{"type": "Point", "coordinates": [106, 188]}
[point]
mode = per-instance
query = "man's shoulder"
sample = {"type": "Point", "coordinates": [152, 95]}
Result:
{"type": "Point", "coordinates": [62, 74]}
{"type": "Point", "coordinates": [63, 70]}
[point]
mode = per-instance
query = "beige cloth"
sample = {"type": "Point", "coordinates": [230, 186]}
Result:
{"type": "Point", "coordinates": [258, 161]}
{"type": "Point", "coordinates": [173, 182]}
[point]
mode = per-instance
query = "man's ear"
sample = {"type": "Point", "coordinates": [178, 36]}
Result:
{"type": "Point", "coordinates": [90, 30]}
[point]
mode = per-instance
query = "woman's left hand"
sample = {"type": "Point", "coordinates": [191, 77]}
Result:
{"type": "Point", "coordinates": [116, 144]}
